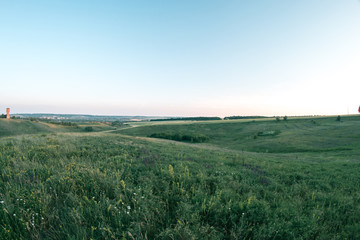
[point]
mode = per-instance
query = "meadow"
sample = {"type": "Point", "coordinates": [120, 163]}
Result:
{"type": "Point", "coordinates": [250, 179]}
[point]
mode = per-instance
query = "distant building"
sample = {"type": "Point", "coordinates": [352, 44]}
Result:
{"type": "Point", "coordinates": [7, 113]}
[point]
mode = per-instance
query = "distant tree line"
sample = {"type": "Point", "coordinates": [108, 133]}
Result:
{"type": "Point", "coordinates": [70, 124]}
{"type": "Point", "coordinates": [243, 117]}
{"type": "Point", "coordinates": [12, 117]}
{"type": "Point", "coordinates": [188, 119]}
{"type": "Point", "coordinates": [63, 123]}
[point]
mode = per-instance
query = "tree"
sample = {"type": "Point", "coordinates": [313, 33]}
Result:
{"type": "Point", "coordinates": [89, 129]}
{"type": "Point", "coordinates": [285, 118]}
{"type": "Point", "coordinates": [338, 118]}
{"type": "Point", "coordinates": [359, 109]}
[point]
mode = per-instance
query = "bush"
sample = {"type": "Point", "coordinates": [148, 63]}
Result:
{"type": "Point", "coordinates": [117, 124]}
{"type": "Point", "coordinates": [195, 138]}
{"type": "Point", "coordinates": [89, 129]}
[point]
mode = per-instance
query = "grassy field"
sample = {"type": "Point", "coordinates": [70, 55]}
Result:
{"type": "Point", "coordinates": [21, 127]}
{"type": "Point", "coordinates": [295, 179]}
{"type": "Point", "coordinates": [294, 135]}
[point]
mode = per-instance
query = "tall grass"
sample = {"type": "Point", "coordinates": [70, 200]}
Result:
{"type": "Point", "coordinates": [111, 187]}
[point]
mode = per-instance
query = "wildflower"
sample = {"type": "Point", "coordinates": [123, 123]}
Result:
{"type": "Point", "coordinates": [123, 183]}
{"type": "Point", "coordinates": [1, 202]}
{"type": "Point", "coordinates": [128, 207]}
{"type": "Point", "coordinates": [171, 170]}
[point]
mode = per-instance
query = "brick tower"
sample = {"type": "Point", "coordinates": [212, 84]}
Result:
{"type": "Point", "coordinates": [7, 113]}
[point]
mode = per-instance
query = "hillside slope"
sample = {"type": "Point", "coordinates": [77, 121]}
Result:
{"type": "Point", "coordinates": [10, 127]}
{"type": "Point", "coordinates": [294, 135]}
{"type": "Point", "coordinates": [13, 127]}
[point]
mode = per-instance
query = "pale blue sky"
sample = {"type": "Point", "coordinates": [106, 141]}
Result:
{"type": "Point", "coordinates": [180, 58]}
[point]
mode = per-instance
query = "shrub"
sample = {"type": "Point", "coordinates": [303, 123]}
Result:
{"type": "Point", "coordinates": [89, 129]}
{"type": "Point", "coordinates": [117, 124]}
{"type": "Point", "coordinates": [194, 138]}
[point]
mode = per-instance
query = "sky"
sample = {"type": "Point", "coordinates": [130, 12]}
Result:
{"type": "Point", "coordinates": [180, 58]}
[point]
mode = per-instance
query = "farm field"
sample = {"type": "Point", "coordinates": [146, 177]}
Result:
{"type": "Point", "coordinates": [262, 179]}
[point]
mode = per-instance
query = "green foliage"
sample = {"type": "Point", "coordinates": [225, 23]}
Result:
{"type": "Point", "coordinates": [64, 123]}
{"type": "Point", "coordinates": [338, 118]}
{"type": "Point", "coordinates": [117, 124]}
{"type": "Point", "coordinates": [88, 129]}
{"type": "Point", "coordinates": [196, 138]}
{"type": "Point", "coordinates": [285, 118]}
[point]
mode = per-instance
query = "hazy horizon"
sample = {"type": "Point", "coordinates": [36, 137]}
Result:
{"type": "Point", "coordinates": [180, 58]}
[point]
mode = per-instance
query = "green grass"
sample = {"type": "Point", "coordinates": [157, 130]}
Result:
{"type": "Point", "coordinates": [14, 127]}
{"type": "Point", "coordinates": [294, 135]}
{"type": "Point", "coordinates": [9, 127]}
{"type": "Point", "coordinates": [102, 185]}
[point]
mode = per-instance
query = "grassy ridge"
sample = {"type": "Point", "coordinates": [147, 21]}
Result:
{"type": "Point", "coordinates": [19, 127]}
{"type": "Point", "coordinates": [14, 127]}
{"type": "Point", "coordinates": [294, 135]}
